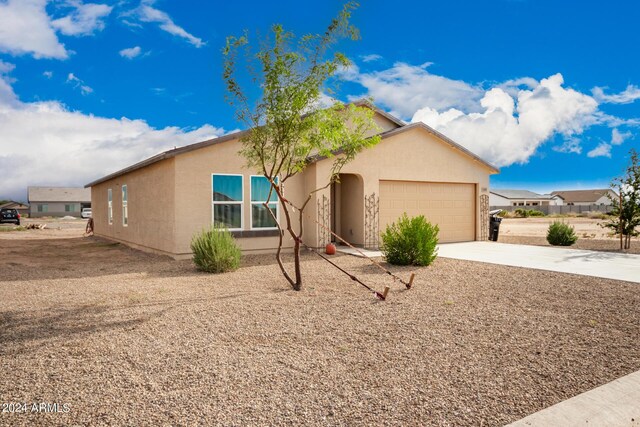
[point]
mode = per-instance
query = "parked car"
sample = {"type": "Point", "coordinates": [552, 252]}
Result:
{"type": "Point", "coordinates": [86, 213]}
{"type": "Point", "coordinates": [9, 215]}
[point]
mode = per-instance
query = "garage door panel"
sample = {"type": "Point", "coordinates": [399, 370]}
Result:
{"type": "Point", "coordinates": [451, 206]}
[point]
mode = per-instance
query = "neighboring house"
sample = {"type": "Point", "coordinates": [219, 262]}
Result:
{"type": "Point", "coordinates": [159, 203]}
{"type": "Point", "coordinates": [587, 197]}
{"type": "Point", "coordinates": [58, 201]}
{"type": "Point", "coordinates": [22, 209]}
{"type": "Point", "coordinates": [523, 198]}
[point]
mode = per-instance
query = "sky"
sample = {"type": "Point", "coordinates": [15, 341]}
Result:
{"type": "Point", "coordinates": [548, 91]}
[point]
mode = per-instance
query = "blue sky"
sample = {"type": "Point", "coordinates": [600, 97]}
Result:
{"type": "Point", "coordinates": [547, 90]}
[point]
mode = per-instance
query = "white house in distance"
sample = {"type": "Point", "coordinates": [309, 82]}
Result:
{"type": "Point", "coordinates": [523, 198]}
{"type": "Point", "coordinates": [587, 197]}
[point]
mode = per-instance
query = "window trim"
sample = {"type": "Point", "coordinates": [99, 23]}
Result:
{"type": "Point", "coordinates": [241, 203]}
{"type": "Point", "coordinates": [125, 205]}
{"type": "Point", "coordinates": [251, 203]}
{"type": "Point", "coordinates": [110, 206]}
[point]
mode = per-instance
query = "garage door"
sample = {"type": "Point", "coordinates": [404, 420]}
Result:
{"type": "Point", "coordinates": [451, 206]}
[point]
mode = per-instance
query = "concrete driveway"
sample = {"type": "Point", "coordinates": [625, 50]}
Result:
{"type": "Point", "coordinates": [609, 265]}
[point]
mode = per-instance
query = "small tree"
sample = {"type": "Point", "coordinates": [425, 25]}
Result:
{"type": "Point", "coordinates": [625, 215]}
{"type": "Point", "coordinates": [288, 125]}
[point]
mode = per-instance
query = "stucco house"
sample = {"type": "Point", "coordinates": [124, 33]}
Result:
{"type": "Point", "coordinates": [22, 209]}
{"type": "Point", "coordinates": [587, 197]}
{"type": "Point", "coordinates": [58, 201]}
{"type": "Point", "coordinates": [501, 197]}
{"type": "Point", "coordinates": [159, 203]}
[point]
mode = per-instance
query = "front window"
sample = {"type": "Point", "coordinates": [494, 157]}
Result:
{"type": "Point", "coordinates": [110, 206]}
{"type": "Point", "coordinates": [260, 192]}
{"type": "Point", "coordinates": [43, 208]}
{"type": "Point", "coordinates": [125, 206]}
{"type": "Point", "coordinates": [227, 199]}
{"type": "Point", "coordinates": [69, 208]}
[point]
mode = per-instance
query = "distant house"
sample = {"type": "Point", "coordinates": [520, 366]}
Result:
{"type": "Point", "coordinates": [523, 198]}
{"type": "Point", "coordinates": [58, 201]}
{"type": "Point", "coordinates": [587, 197]}
{"type": "Point", "coordinates": [22, 209]}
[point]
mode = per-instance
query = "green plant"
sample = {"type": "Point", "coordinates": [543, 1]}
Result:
{"type": "Point", "coordinates": [534, 212]}
{"type": "Point", "coordinates": [410, 241]}
{"type": "Point", "coordinates": [215, 251]}
{"type": "Point", "coordinates": [561, 234]}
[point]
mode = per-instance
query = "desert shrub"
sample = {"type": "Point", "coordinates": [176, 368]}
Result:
{"type": "Point", "coordinates": [215, 251]}
{"type": "Point", "coordinates": [503, 214]}
{"type": "Point", "coordinates": [534, 212]}
{"type": "Point", "coordinates": [561, 234]}
{"type": "Point", "coordinates": [410, 241]}
{"type": "Point", "coordinates": [521, 213]}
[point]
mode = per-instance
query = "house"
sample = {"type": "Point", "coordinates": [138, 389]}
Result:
{"type": "Point", "coordinates": [159, 203]}
{"type": "Point", "coordinates": [22, 209]}
{"type": "Point", "coordinates": [523, 198]}
{"type": "Point", "coordinates": [587, 197]}
{"type": "Point", "coordinates": [58, 201]}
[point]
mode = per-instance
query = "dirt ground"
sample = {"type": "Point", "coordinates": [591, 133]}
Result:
{"type": "Point", "coordinates": [591, 236]}
{"type": "Point", "coordinates": [127, 338]}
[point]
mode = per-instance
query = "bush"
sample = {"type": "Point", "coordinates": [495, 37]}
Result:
{"type": "Point", "coordinates": [561, 234]}
{"type": "Point", "coordinates": [215, 251]}
{"type": "Point", "coordinates": [534, 212]}
{"type": "Point", "coordinates": [526, 213]}
{"type": "Point", "coordinates": [410, 241]}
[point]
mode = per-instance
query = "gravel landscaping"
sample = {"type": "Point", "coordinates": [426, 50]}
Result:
{"type": "Point", "coordinates": [126, 338]}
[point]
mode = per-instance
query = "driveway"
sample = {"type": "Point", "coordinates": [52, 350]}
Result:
{"type": "Point", "coordinates": [609, 265]}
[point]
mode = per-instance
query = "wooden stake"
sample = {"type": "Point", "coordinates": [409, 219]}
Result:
{"type": "Point", "coordinates": [385, 292]}
{"type": "Point", "coordinates": [410, 284]}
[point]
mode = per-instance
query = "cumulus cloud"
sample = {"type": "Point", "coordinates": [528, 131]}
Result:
{"type": "Point", "coordinates": [618, 137]}
{"type": "Point", "coordinates": [131, 52]}
{"type": "Point", "coordinates": [147, 13]}
{"type": "Point", "coordinates": [602, 150]}
{"type": "Point", "coordinates": [509, 129]}
{"type": "Point", "coordinates": [85, 19]}
{"type": "Point", "coordinates": [627, 96]}
{"type": "Point", "coordinates": [25, 28]}
{"type": "Point", "coordinates": [79, 84]}
{"type": "Point", "coordinates": [67, 147]}
{"type": "Point", "coordinates": [406, 88]}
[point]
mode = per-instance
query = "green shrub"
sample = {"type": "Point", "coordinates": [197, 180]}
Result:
{"type": "Point", "coordinates": [526, 213]}
{"type": "Point", "coordinates": [561, 234]}
{"type": "Point", "coordinates": [534, 212]}
{"type": "Point", "coordinates": [410, 241]}
{"type": "Point", "coordinates": [215, 251]}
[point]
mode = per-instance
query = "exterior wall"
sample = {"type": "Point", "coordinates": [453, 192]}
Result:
{"type": "Point", "coordinates": [54, 209]}
{"type": "Point", "coordinates": [497, 200]}
{"type": "Point", "coordinates": [194, 196]}
{"type": "Point", "coordinates": [351, 209]}
{"type": "Point", "coordinates": [415, 155]}
{"type": "Point", "coordinates": [151, 207]}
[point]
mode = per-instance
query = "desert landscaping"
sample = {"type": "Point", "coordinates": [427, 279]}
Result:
{"type": "Point", "coordinates": [125, 337]}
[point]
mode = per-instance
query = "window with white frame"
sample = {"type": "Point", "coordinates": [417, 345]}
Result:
{"type": "Point", "coordinates": [260, 192]}
{"type": "Point", "coordinates": [110, 206]}
{"type": "Point", "coordinates": [226, 201]}
{"type": "Point", "coordinates": [125, 206]}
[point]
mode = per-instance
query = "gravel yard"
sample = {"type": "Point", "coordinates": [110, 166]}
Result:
{"type": "Point", "coordinates": [127, 338]}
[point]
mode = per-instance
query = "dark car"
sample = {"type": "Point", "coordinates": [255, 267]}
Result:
{"type": "Point", "coordinates": [9, 215]}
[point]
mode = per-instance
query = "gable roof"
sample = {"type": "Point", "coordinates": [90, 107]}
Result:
{"type": "Point", "coordinates": [59, 194]}
{"type": "Point", "coordinates": [573, 196]}
{"type": "Point", "coordinates": [14, 205]}
{"type": "Point", "coordinates": [237, 135]}
{"type": "Point", "coordinates": [521, 194]}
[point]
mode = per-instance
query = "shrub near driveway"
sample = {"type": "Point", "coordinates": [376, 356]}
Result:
{"type": "Point", "coordinates": [561, 234]}
{"type": "Point", "coordinates": [410, 241]}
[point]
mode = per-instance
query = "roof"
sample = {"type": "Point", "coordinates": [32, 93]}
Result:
{"type": "Point", "coordinates": [14, 205]}
{"type": "Point", "coordinates": [521, 194]}
{"type": "Point", "coordinates": [59, 194]}
{"type": "Point", "coordinates": [573, 196]}
{"type": "Point", "coordinates": [237, 135]}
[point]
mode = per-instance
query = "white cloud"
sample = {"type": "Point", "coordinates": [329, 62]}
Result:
{"type": "Point", "coordinates": [406, 88]}
{"type": "Point", "coordinates": [629, 95]}
{"type": "Point", "coordinates": [509, 129]}
{"type": "Point", "coordinates": [84, 20]}
{"type": "Point", "coordinates": [570, 145]}
{"type": "Point", "coordinates": [371, 58]}
{"type": "Point", "coordinates": [147, 13]}
{"type": "Point", "coordinates": [131, 52]}
{"type": "Point", "coordinates": [602, 150]}
{"type": "Point", "coordinates": [69, 147]}
{"type": "Point", "coordinates": [79, 84]}
{"type": "Point", "coordinates": [618, 137]}
{"type": "Point", "coordinates": [48, 74]}
{"type": "Point", "coordinates": [25, 28]}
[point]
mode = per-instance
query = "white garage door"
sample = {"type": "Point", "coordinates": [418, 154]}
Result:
{"type": "Point", "coordinates": [451, 206]}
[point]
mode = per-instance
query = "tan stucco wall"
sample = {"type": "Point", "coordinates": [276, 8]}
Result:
{"type": "Point", "coordinates": [151, 206]}
{"type": "Point", "coordinates": [414, 155]}
{"type": "Point", "coordinates": [351, 208]}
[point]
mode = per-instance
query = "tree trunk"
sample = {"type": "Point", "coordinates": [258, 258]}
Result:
{"type": "Point", "coordinates": [297, 286]}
